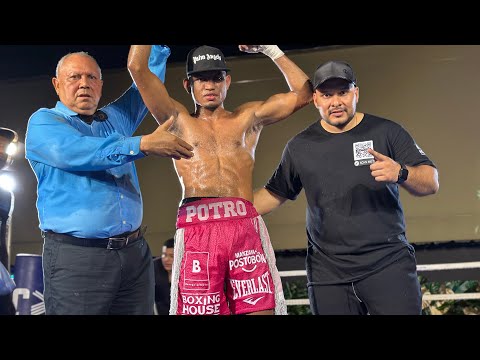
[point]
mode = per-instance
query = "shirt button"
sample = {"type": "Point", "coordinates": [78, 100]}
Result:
{"type": "Point", "coordinates": [132, 152]}
{"type": "Point", "coordinates": [121, 196]}
{"type": "Point", "coordinates": [124, 222]}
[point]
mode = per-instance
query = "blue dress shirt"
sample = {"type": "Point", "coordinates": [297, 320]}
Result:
{"type": "Point", "coordinates": [87, 180]}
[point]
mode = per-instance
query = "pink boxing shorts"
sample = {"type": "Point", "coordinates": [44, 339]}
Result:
{"type": "Point", "coordinates": [219, 262]}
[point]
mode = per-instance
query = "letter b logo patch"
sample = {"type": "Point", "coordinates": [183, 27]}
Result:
{"type": "Point", "coordinates": [196, 266]}
{"type": "Point", "coordinates": [196, 273]}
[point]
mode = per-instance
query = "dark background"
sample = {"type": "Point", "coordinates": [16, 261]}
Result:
{"type": "Point", "coordinates": [24, 61]}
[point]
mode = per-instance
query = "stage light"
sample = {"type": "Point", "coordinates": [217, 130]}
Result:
{"type": "Point", "coordinates": [8, 147]}
{"type": "Point", "coordinates": [8, 151]}
{"type": "Point", "coordinates": [7, 182]}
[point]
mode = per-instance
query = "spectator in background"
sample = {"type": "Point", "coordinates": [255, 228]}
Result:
{"type": "Point", "coordinates": [163, 278]}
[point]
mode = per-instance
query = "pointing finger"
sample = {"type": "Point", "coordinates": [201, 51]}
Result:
{"type": "Point", "coordinates": [376, 154]}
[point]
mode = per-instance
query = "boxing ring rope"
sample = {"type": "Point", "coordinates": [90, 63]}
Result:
{"type": "Point", "coordinates": [420, 268]}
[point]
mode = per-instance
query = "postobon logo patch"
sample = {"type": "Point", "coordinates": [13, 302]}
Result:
{"type": "Point", "coordinates": [247, 260]}
{"type": "Point", "coordinates": [196, 275]}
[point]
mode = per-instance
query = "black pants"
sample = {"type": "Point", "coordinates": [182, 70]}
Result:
{"type": "Point", "coordinates": [81, 280]}
{"type": "Point", "coordinates": [394, 290]}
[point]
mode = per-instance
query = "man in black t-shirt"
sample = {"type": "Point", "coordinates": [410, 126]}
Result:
{"type": "Point", "coordinates": [351, 165]}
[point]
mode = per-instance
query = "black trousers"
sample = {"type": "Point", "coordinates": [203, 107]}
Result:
{"type": "Point", "coordinates": [82, 280]}
{"type": "Point", "coordinates": [394, 290]}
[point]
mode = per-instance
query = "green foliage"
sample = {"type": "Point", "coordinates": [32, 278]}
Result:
{"type": "Point", "coordinates": [450, 307]}
{"type": "Point", "coordinates": [296, 290]}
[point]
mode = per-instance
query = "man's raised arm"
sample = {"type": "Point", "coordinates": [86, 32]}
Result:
{"type": "Point", "coordinates": [280, 106]}
{"type": "Point", "coordinates": [151, 87]}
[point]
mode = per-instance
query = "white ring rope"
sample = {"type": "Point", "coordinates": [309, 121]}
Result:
{"type": "Point", "coordinates": [425, 297]}
{"type": "Point", "coordinates": [293, 273]}
{"type": "Point", "coordinates": [428, 267]}
{"type": "Point", "coordinates": [464, 296]}
{"type": "Point", "coordinates": [449, 266]}
{"type": "Point", "coordinates": [297, 302]}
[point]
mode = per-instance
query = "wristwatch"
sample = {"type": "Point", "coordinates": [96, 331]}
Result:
{"type": "Point", "coordinates": [402, 174]}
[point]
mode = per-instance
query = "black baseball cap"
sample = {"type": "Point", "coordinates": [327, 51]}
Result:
{"type": "Point", "coordinates": [205, 58]}
{"type": "Point", "coordinates": [333, 70]}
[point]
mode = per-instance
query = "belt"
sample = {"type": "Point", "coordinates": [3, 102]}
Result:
{"type": "Point", "coordinates": [112, 243]}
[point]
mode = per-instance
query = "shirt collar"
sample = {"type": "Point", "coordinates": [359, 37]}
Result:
{"type": "Point", "coordinates": [98, 116]}
{"type": "Point", "coordinates": [62, 108]}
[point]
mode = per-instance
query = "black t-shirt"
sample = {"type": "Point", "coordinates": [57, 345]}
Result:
{"type": "Point", "coordinates": [355, 225]}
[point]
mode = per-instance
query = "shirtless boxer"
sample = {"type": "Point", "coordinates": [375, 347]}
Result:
{"type": "Point", "coordinates": [224, 262]}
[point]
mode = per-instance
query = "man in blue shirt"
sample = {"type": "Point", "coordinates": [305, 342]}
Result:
{"type": "Point", "coordinates": [95, 259]}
